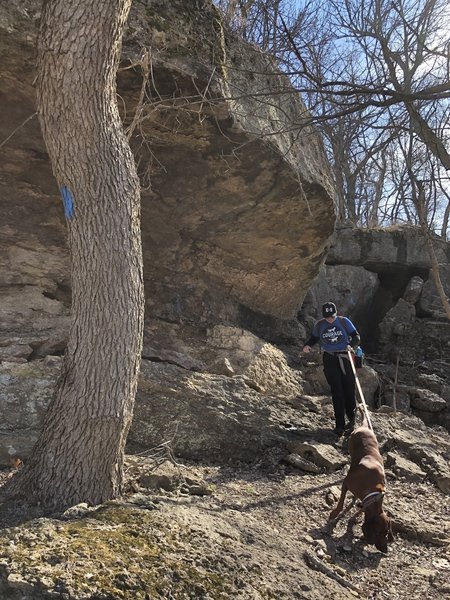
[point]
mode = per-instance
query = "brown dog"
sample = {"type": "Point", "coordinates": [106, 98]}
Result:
{"type": "Point", "coordinates": [366, 481]}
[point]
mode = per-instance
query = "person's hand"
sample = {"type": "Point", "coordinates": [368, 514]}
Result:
{"type": "Point", "coordinates": [306, 349]}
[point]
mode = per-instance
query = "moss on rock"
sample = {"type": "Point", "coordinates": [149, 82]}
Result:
{"type": "Point", "coordinates": [117, 551]}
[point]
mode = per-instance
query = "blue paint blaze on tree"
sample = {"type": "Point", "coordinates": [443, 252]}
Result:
{"type": "Point", "coordinates": [67, 197]}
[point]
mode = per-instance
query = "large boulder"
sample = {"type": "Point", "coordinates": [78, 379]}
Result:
{"type": "Point", "coordinates": [205, 416]}
{"type": "Point", "coordinates": [240, 207]}
{"type": "Point", "coordinates": [237, 217]}
{"type": "Point", "coordinates": [221, 417]}
{"type": "Point", "coordinates": [25, 390]}
{"type": "Point", "coordinates": [263, 365]}
{"type": "Point", "coordinates": [429, 302]}
{"type": "Point", "coordinates": [397, 321]}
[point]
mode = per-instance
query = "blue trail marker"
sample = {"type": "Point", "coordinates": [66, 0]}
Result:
{"type": "Point", "coordinates": [67, 197]}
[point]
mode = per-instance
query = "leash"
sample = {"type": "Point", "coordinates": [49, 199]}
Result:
{"type": "Point", "coordinates": [358, 385]}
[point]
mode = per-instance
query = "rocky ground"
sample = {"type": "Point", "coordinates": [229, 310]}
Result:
{"type": "Point", "coordinates": [248, 531]}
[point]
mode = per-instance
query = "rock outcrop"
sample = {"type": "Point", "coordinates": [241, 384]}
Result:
{"type": "Point", "coordinates": [367, 272]}
{"type": "Point", "coordinates": [382, 280]}
{"type": "Point", "coordinates": [237, 214]}
{"type": "Point", "coordinates": [236, 192]}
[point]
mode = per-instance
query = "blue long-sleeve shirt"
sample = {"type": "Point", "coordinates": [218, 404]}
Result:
{"type": "Point", "coordinates": [335, 336]}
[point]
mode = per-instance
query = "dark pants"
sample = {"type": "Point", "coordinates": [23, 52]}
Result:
{"type": "Point", "coordinates": [342, 388]}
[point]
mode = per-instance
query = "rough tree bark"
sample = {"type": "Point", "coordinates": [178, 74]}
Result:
{"type": "Point", "coordinates": [79, 455]}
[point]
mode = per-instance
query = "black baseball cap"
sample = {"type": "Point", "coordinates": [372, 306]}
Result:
{"type": "Point", "coordinates": [329, 309]}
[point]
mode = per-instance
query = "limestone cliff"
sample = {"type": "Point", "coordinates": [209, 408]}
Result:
{"type": "Point", "coordinates": [237, 196]}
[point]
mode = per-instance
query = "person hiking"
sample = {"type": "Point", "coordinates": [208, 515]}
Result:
{"type": "Point", "coordinates": [335, 335]}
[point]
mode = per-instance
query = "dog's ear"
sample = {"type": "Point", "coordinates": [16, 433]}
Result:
{"type": "Point", "coordinates": [377, 531]}
{"type": "Point", "coordinates": [381, 545]}
{"type": "Point", "coordinates": [383, 533]}
{"type": "Point", "coordinates": [367, 530]}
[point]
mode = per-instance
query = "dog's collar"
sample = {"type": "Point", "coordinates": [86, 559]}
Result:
{"type": "Point", "coordinates": [371, 499]}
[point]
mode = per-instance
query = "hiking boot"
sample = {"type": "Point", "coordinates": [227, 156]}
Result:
{"type": "Point", "coordinates": [338, 431]}
{"type": "Point", "coordinates": [350, 425]}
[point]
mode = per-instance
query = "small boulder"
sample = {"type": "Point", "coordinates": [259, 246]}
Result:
{"type": "Point", "coordinates": [322, 455]}
{"type": "Point", "coordinates": [423, 399]}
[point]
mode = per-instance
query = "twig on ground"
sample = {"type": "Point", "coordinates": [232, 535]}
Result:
{"type": "Point", "coordinates": [318, 565]}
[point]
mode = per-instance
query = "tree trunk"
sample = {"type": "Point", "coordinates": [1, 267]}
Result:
{"type": "Point", "coordinates": [446, 217]}
{"type": "Point", "coordinates": [79, 455]}
{"type": "Point", "coordinates": [426, 134]}
{"type": "Point", "coordinates": [435, 273]}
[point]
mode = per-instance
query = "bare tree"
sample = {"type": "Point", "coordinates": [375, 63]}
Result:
{"type": "Point", "coordinates": [406, 54]}
{"type": "Point", "coordinates": [369, 70]}
{"type": "Point", "coordinates": [79, 454]}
